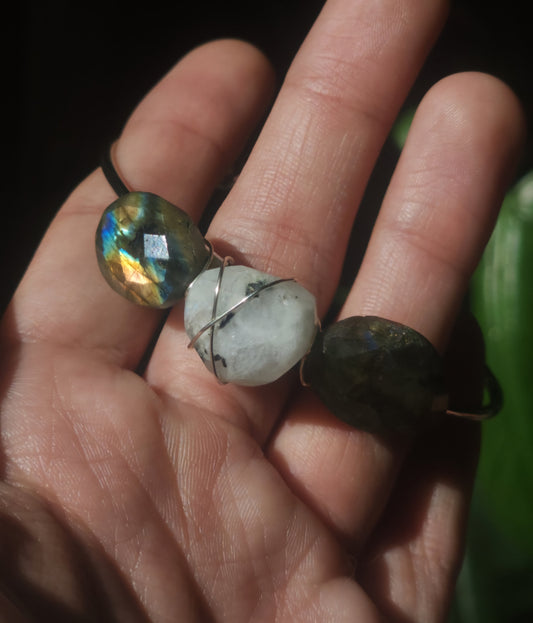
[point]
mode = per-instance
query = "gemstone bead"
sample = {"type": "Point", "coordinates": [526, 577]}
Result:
{"type": "Point", "coordinates": [149, 250]}
{"type": "Point", "coordinates": [263, 338]}
{"type": "Point", "coordinates": [375, 374]}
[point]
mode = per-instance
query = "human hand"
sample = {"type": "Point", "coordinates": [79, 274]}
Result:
{"type": "Point", "coordinates": [169, 497]}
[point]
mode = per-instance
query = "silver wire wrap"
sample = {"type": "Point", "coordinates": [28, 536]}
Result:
{"type": "Point", "coordinates": [212, 255]}
{"type": "Point", "coordinates": [215, 319]}
{"type": "Point", "coordinates": [495, 397]}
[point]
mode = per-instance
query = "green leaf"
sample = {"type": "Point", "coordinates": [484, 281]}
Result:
{"type": "Point", "coordinates": [502, 300]}
{"type": "Point", "coordinates": [497, 576]}
{"type": "Point", "coordinates": [401, 127]}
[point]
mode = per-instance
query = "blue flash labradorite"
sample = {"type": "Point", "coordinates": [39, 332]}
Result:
{"type": "Point", "coordinates": [375, 374]}
{"type": "Point", "coordinates": [149, 250]}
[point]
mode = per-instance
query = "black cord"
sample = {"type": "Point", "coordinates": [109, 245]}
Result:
{"type": "Point", "coordinates": [111, 174]}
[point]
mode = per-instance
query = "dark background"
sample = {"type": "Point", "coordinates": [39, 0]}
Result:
{"type": "Point", "coordinates": [80, 68]}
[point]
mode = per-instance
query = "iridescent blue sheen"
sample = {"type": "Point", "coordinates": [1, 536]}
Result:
{"type": "Point", "coordinates": [149, 250]}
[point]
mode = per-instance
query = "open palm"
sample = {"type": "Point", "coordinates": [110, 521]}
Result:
{"type": "Point", "coordinates": [168, 497]}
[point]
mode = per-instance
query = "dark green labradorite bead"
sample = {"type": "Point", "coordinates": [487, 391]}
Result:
{"type": "Point", "coordinates": [375, 374]}
{"type": "Point", "coordinates": [149, 250]}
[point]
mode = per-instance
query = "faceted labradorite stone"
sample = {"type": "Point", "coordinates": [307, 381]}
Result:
{"type": "Point", "coordinates": [375, 374]}
{"type": "Point", "coordinates": [148, 249]}
{"type": "Point", "coordinates": [261, 340]}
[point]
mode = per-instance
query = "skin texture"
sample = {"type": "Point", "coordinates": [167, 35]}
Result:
{"type": "Point", "coordinates": [168, 497]}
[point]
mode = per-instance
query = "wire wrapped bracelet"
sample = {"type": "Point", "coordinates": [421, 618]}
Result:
{"type": "Point", "coordinates": [250, 328]}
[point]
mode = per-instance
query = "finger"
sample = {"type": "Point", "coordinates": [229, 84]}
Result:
{"type": "Point", "coordinates": [178, 143]}
{"type": "Point", "coordinates": [441, 207]}
{"type": "Point", "coordinates": [435, 219]}
{"type": "Point", "coordinates": [410, 565]}
{"type": "Point", "coordinates": [291, 210]}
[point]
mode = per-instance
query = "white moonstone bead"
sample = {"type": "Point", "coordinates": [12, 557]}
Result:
{"type": "Point", "coordinates": [262, 339]}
